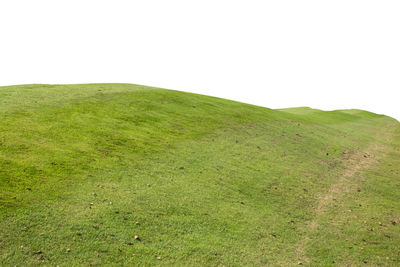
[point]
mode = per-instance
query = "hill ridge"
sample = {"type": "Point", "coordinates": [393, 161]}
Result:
{"type": "Point", "coordinates": [199, 180]}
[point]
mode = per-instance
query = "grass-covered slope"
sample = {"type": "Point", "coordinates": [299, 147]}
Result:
{"type": "Point", "coordinates": [199, 180]}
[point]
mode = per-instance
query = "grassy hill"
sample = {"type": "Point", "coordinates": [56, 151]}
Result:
{"type": "Point", "coordinates": [198, 180]}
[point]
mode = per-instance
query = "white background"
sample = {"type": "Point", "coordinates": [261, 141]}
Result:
{"type": "Point", "coordinates": [323, 54]}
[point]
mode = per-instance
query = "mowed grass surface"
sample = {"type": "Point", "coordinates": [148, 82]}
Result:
{"type": "Point", "coordinates": [200, 180]}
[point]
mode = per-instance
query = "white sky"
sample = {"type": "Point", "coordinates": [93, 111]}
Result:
{"type": "Point", "coordinates": [323, 54]}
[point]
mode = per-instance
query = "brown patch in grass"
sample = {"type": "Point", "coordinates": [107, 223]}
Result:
{"type": "Point", "coordinates": [346, 182]}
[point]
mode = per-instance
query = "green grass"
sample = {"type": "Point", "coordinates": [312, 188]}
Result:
{"type": "Point", "coordinates": [209, 181]}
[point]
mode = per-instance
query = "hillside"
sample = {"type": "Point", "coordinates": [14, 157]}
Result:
{"type": "Point", "coordinates": [199, 180]}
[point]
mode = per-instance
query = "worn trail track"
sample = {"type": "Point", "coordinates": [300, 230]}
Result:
{"type": "Point", "coordinates": [347, 182]}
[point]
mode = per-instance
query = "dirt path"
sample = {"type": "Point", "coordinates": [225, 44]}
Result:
{"type": "Point", "coordinates": [347, 182]}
